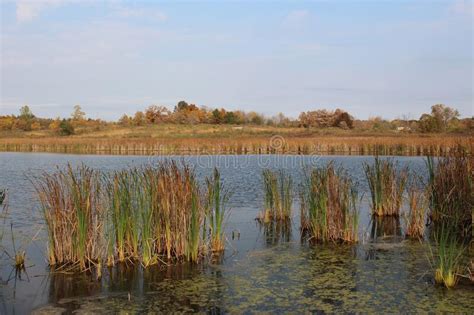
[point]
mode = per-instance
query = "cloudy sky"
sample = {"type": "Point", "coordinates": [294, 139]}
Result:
{"type": "Point", "coordinates": [388, 58]}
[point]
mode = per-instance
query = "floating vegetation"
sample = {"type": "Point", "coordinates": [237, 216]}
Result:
{"type": "Point", "coordinates": [146, 215]}
{"type": "Point", "coordinates": [447, 257]}
{"type": "Point", "coordinates": [451, 190]}
{"type": "Point", "coordinates": [278, 188]}
{"type": "Point", "coordinates": [329, 206]}
{"type": "Point", "coordinates": [387, 184]}
{"type": "Point", "coordinates": [415, 218]}
{"type": "Point", "coordinates": [216, 210]}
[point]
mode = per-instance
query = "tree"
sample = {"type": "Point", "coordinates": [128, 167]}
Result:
{"type": "Point", "coordinates": [139, 119]}
{"type": "Point", "coordinates": [182, 105]}
{"type": "Point", "coordinates": [66, 128]}
{"type": "Point", "coordinates": [441, 119]}
{"type": "Point", "coordinates": [78, 114]}
{"type": "Point", "coordinates": [54, 125]}
{"type": "Point", "coordinates": [443, 115]}
{"type": "Point", "coordinates": [323, 118]}
{"type": "Point", "coordinates": [26, 113]}
{"type": "Point", "coordinates": [156, 114]}
{"type": "Point", "coordinates": [125, 120]}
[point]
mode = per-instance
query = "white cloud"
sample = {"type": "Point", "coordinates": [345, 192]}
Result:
{"type": "Point", "coordinates": [296, 18]}
{"type": "Point", "coordinates": [27, 10]}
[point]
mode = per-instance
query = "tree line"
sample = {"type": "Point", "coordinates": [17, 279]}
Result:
{"type": "Point", "coordinates": [442, 118]}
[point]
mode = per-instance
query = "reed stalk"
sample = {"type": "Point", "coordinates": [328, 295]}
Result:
{"type": "Point", "coordinates": [329, 206]}
{"type": "Point", "coordinates": [415, 218]}
{"type": "Point", "coordinates": [387, 184]}
{"type": "Point", "coordinates": [278, 196]}
{"type": "Point", "coordinates": [216, 210]}
{"type": "Point", "coordinates": [451, 191]}
{"type": "Point", "coordinates": [70, 202]}
{"type": "Point", "coordinates": [447, 256]}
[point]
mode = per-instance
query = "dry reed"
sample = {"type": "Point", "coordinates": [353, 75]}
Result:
{"type": "Point", "coordinates": [329, 206]}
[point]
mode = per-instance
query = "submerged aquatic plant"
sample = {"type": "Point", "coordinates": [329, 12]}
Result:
{"type": "Point", "coordinates": [329, 205]}
{"type": "Point", "coordinates": [278, 189]}
{"type": "Point", "coordinates": [386, 184]}
{"type": "Point", "coordinates": [216, 211]}
{"type": "Point", "coordinates": [451, 191]}
{"type": "Point", "coordinates": [447, 257]}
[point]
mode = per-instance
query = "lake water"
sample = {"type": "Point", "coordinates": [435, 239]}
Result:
{"type": "Point", "coordinates": [262, 270]}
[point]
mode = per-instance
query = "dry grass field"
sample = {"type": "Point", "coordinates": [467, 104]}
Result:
{"type": "Point", "coordinates": [225, 139]}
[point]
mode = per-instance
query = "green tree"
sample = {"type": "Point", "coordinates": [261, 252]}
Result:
{"type": "Point", "coordinates": [66, 128]}
{"type": "Point", "coordinates": [26, 113]}
{"type": "Point", "coordinates": [443, 116]}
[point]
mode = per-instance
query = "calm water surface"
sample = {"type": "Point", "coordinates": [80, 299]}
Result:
{"type": "Point", "coordinates": [263, 270]}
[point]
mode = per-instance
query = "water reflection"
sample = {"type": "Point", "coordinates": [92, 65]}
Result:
{"type": "Point", "coordinates": [276, 232]}
{"type": "Point", "coordinates": [386, 228]}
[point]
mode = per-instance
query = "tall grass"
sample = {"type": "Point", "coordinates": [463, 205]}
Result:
{"type": "Point", "coordinates": [278, 190]}
{"type": "Point", "coordinates": [415, 217]}
{"type": "Point", "coordinates": [216, 211]}
{"type": "Point", "coordinates": [146, 215]}
{"type": "Point", "coordinates": [447, 256]}
{"type": "Point", "coordinates": [387, 184]}
{"type": "Point", "coordinates": [70, 201]}
{"type": "Point", "coordinates": [451, 190]}
{"type": "Point", "coordinates": [329, 206]}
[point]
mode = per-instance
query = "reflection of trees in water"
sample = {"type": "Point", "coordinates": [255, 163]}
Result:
{"type": "Point", "coordinates": [276, 232]}
{"type": "Point", "coordinates": [383, 227]}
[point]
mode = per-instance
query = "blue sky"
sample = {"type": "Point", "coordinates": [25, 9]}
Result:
{"type": "Point", "coordinates": [387, 58]}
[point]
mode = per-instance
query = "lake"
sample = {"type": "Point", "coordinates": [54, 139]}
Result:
{"type": "Point", "coordinates": [263, 269]}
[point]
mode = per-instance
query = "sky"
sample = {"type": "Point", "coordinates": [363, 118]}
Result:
{"type": "Point", "coordinates": [393, 59]}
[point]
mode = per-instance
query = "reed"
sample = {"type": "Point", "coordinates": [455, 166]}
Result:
{"type": "Point", "coordinates": [70, 202]}
{"type": "Point", "coordinates": [387, 184]}
{"type": "Point", "coordinates": [121, 188]}
{"type": "Point", "coordinates": [250, 141]}
{"type": "Point", "coordinates": [415, 218]}
{"type": "Point", "coordinates": [216, 210]}
{"type": "Point", "coordinates": [447, 257]}
{"type": "Point", "coordinates": [451, 191]}
{"type": "Point", "coordinates": [278, 199]}
{"type": "Point", "coordinates": [329, 206]}
{"type": "Point", "coordinates": [142, 215]}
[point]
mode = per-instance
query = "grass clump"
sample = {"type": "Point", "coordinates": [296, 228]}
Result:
{"type": "Point", "coordinates": [146, 215]}
{"type": "Point", "coordinates": [451, 191]}
{"type": "Point", "coordinates": [387, 184]}
{"type": "Point", "coordinates": [329, 206]}
{"type": "Point", "coordinates": [216, 211]}
{"type": "Point", "coordinates": [447, 256]}
{"type": "Point", "coordinates": [71, 205]}
{"type": "Point", "coordinates": [415, 217]}
{"type": "Point", "coordinates": [278, 188]}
